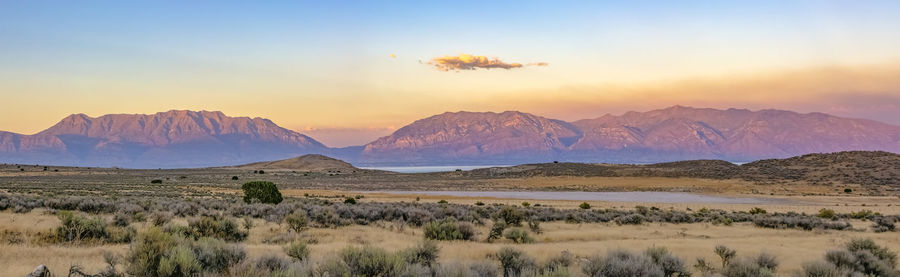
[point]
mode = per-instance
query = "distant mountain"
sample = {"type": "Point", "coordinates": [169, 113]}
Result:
{"type": "Point", "coordinates": [310, 162]}
{"type": "Point", "coordinates": [468, 136]}
{"type": "Point", "coordinates": [671, 134]}
{"type": "Point", "coordinates": [167, 140]}
{"type": "Point", "coordinates": [201, 139]}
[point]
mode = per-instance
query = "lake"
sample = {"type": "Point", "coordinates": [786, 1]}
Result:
{"type": "Point", "coordinates": [631, 196]}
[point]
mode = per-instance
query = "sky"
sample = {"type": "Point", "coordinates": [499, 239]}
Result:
{"type": "Point", "coordinates": [346, 72]}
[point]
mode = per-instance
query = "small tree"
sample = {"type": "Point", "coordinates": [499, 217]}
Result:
{"type": "Point", "coordinates": [585, 206]}
{"type": "Point", "coordinates": [264, 192]}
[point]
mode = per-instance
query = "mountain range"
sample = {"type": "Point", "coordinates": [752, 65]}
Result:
{"type": "Point", "coordinates": [199, 139]}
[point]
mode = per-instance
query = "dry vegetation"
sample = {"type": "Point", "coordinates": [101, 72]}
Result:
{"type": "Point", "coordinates": [107, 221]}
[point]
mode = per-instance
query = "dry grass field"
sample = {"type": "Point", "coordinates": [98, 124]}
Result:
{"type": "Point", "coordinates": [793, 248]}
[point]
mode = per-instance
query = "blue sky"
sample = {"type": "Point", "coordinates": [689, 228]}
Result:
{"type": "Point", "coordinates": [327, 64]}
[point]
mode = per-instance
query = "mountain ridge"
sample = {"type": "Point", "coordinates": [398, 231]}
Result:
{"type": "Point", "coordinates": [181, 138]}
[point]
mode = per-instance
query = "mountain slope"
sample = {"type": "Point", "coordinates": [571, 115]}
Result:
{"type": "Point", "coordinates": [468, 136]}
{"type": "Point", "coordinates": [671, 134]}
{"type": "Point", "coordinates": [166, 139]}
{"type": "Point", "coordinates": [310, 162]}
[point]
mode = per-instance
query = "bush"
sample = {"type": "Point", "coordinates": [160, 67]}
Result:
{"type": "Point", "coordinates": [222, 228]}
{"type": "Point", "coordinates": [518, 235]}
{"type": "Point", "coordinates": [822, 269]}
{"type": "Point", "coordinates": [371, 261]}
{"type": "Point", "coordinates": [297, 250]}
{"type": "Point", "coordinates": [631, 219]}
{"type": "Point", "coordinates": [350, 200]}
{"type": "Point", "coordinates": [296, 221]}
{"type": "Point", "coordinates": [76, 228]}
{"type": "Point", "coordinates": [883, 224]}
{"type": "Point", "coordinates": [514, 261]}
{"type": "Point", "coordinates": [496, 230]}
{"type": "Point", "coordinates": [425, 253]}
{"type": "Point", "coordinates": [826, 213]}
{"type": "Point", "coordinates": [156, 181]}
{"type": "Point", "coordinates": [746, 268]}
{"type": "Point", "coordinates": [670, 265]}
{"type": "Point", "coordinates": [216, 255]}
{"type": "Point", "coordinates": [234, 178]}
{"type": "Point", "coordinates": [585, 206]}
{"type": "Point", "coordinates": [158, 253]}
{"type": "Point", "coordinates": [621, 263]}
{"type": "Point", "coordinates": [511, 216]}
{"type": "Point", "coordinates": [757, 210]}
{"type": "Point", "coordinates": [449, 229]}
{"type": "Point", "coordinates": [860, 257]}
{"type": "Point", "coordinates": [262, 191]}
{"type": "Point", "coordinates": [725, 253]}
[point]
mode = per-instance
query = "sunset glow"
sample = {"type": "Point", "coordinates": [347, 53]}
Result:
{"type": "Point", "coordinates": [351, 74]}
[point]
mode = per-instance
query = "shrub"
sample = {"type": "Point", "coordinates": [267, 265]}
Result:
{"type": "Point", "coordinates": [160, 218]}
{"type": "Point", "coordinates": [826, 213]}
{"type": "Point", "coordinates": [621, 263]}
{"type": "Point", "coordinates": [534, 225]}
{"type": "Point", "coordinates": [511, 216]}
{"type": "Point", "coordinates": [122, 219]}
{"type": "Point", "coordinates": [514, 261]}
{"type": "Point", "coordinates": [757, 210]}
{"type": "Point", "coordinates": [350, 200]}
{"type": "Point", "coordinates": [442, 201]}
{"type": "Point", "coordinates": [861, 257]}
{"type": "Point", "coordinates": [746, 268]}
{"type": "Point", "coordinates": [448, 229]}
{"type": "Point", "coordinates": [526, 204]}
{"type": "Point", "coordinates": [75, 227]}
{"type": "Point", "coordinates": [496, 230]}
{"type": "Point", "coordinates": [156, 181]}
{"type": "Point", "coordinates": [883, 224]}
{"type": "Point", "coordinates": [215, 255]}
{"type": "Point", "coordinates": [271, 263]}
{"type": "Point", "coordinates": [562, 261]}
{"type": "Point", "coordinates": [147, 251]}
{"type": "Point", "coordinates": [725, 253]}
{"type": "Point", "coordinates": [479, 203]}
{"type": "Point", "coordinates": [297, 250]}
{"type": "Point", "coordinates": [848, 190]}
{"type": "Point", "coordinates": [296, 221]}
{"type": "Point", "coordinates": [631, 219]}
{"type": "Point", "coordinates": [670, 265]}
{"type": "Point", "coordinates": [518, 235]}
{"type": "Point", "coordinates": [822, 269]}
{"type": "Point", "coordinates": [425, 253]}
{"type": "Point", "coordinates": [234, 178]}
{"type": "Point", "coordinates": [371, 261]}
{"type": "Point", "coordinates": [585, 206]}
{"type": "Point", "coordinates": [179, 261]}
{"type": "Point", "coordinates": [262, 191]}
{"type": "Point", "coordinates": [222, 228]}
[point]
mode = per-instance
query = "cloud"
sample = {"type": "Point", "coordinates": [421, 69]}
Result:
{"type": "Point", "coordinates": [471, 62]}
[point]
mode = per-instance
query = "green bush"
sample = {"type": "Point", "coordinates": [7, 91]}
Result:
{"type": "Point", "coordinates": [219, 228]}
{"type": "Point", "coordinates": [296, 221]}
{"type": "Point", "coordinates": [449, 229]}
{"type": "Point", "coordinates": [262, 191]}
{"type": "Point", "coordinates": [826, 213]}
{"type": "Point", "coordinates": [511, 216]}
{"type": "Point", "coordinates": [297, 250]}
{"type": "Point", "coordinates": [156, 181]}
{"type": "Point", "coordinates": [585, 206]}
{"type": "Point", "coordinates": [496, 230]}
{"type": "Point", "coordinates": [350, 200]}
{"type": "Point", "coordinates": [518, 235]}
{"type": "Point", "coordinates": [76, 228]}
{"type": "Point", "coordinates": [159, 253]}
{"type": "Point", "coordinates": [621, 263]}
{"type": "Point", "coordinates": [757, 210]}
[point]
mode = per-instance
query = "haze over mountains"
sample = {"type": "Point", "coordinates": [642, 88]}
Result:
{"type": "Point", "coordinates": [198, 139]}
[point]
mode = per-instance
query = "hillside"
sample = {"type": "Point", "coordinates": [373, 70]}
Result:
{"type": "Point", "coordinates": [311, 162]}
{"type": "Point", "coordinates": [866, 168]}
